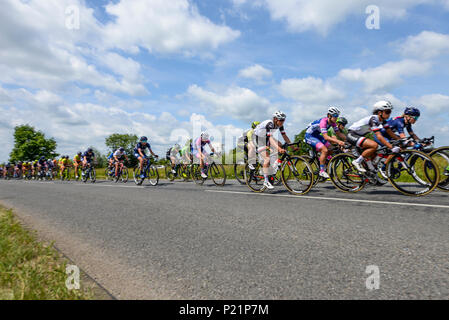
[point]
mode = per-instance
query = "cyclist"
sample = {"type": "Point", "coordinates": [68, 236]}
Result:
{"type": "Point", "coordinates": [317, 137]}
{"type": "Point", "coordinates": [266, 144]}
{"type": "Point", "coordinates": [246, 143]}
{"type": "Point", "coordinates": [398, 124]}
{"type": "Point", "coordinates": [34, 167]}
{"type": "Point", "coordinates": [375, 123]}
{"type": "Point", "coordinates": [18, 169]}
{"type": "Point", "coordinates": [186, 152]}
{"type": "Point", "coordinates": [76, 163]}
{"type": "Point", "coordinates": [198, 150]}
{"type": "Point", "coordinates": [42, 164]}
{"type": "Point", "coordinates": [342, 122]}
{"type": "Point", "coordinates": [172, 156]}
{"type": "Point", "coordinates": [26, 168]}
{"type": "Point", "coordinates": [63, 164]}
{"type": "Point", "coordinates": [139, 152]}
{"type": "Point", "coordinates": [88, 157]}
{"type": "Point", "coordinates": [118, 157]}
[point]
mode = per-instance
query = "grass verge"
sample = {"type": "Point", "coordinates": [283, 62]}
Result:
{"type": "Point", "coordinates": [31, 270]}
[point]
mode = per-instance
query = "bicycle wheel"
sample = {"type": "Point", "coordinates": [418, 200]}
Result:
{"type": "Point", "coordinates": [441, 157]}
{"type": "Point", "coordinates": [93, 175]}
{"type": "Point", "coordinates": [137, 175]}
{"type": "Point", "coordinates": [184, 173]}
{"type": "Point", "coordinates": [85, 175]}
{"type": "Point", "coordinates": [239, 173]}
{"type": "Point", "coordinates": [196, 174]}
{"type": "Point", "coordinates": [254, 178]}
{"type": "Point", "coordinates": [417, 176]}
{"type": "Point", "coordinates": [169, 174]}
{"type": "Point", "coordinates": [153, 175]}
{"type": "Point", "coordinates": [313, 162]}
{"type": "Point", "coordinates": [344, 176]}
{"type": "Point", "coordinates": [67, 177]}
{"type": "Point", "coordinates": [218, 174]}
{"type": "Point", "coordinates": [297, 175]}
{"type": "Point", "coordinates": [125, 174]}
{"type": "Point", "coordinates": [107, 174]}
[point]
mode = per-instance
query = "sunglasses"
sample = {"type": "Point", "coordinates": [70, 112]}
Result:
{"type": "Point", "coordinates": [416, 118]}
{"type": "Point", "coordinates": [387, 111]}
{"type": "Point", "coordinates": [335, 115]}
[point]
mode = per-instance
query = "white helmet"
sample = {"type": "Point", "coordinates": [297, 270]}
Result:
{"type": "Point", "coordinates": [382, 105]}
{"type": "Point", "coordinates": [177, 146]}
{"type": "Point", "coordinates": [204, 136]}
{"type": "Point", "coordinates": [333, 110]}
{"type": "Point", "coordinates": [279, 115]}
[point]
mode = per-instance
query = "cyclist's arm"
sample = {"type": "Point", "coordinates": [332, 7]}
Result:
{"type": "Point", "coordinates": [333, 139]}
{"type": "Point", "coordinates": [393, 135]}
{"type": "Point", "coordinates": [382, 139]}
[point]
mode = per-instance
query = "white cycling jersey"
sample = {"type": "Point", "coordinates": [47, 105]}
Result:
{"type": "Point", "coordinates": [119, 154]}
{"type": "Point", "coordinates": [266, 129]}
{"type": "Point", "coordinates": [367, 124]}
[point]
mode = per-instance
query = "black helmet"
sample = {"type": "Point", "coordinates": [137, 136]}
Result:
{"type": "Point", "coordinates": [143, 139]}
{"type": "Point", "coordinates": [121, 149]}
{"type": "Point", "coordinates": [411, 111]}
{"type": "Point", "coordinates": [342, 120]}
{"type": "Point", "coordinates": [79, 153]}
{"type": "Point", "coordinates": [90, 150]}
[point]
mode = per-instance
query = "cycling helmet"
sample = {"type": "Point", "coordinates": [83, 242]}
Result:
{"type": "Point", "coordinates": [255, 124]}
{"type": "Point", "coordinates": [411, 111]}
{"type": "Point", "coordinates": [279, 115]}
{"type": "Point", "coordinates": [382, 106]}
{"type": "Point", "coordinates": [121, 149]}
{"type": "Point", "coordinates": [333, 110]}
{"type": "Point", "coordinates": [42, 158]}
{"type": "Point", "coordinates": [90, 150]}
{"type": "Point", "coordinates": [79, 153]}
{"type": "Point", "coordinates": [204, 136]}
{"type": "Point", "coordinates": [143, 139]}
{"type": "Point", "coordinates": [342, 120]}
{"type": "Point", "coordinates": [177, 146]}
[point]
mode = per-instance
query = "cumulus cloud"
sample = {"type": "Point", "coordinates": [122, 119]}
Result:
{"type": "Point", "coordinates": [425, 45]}
{"type": "Point", "coordinates": [323, 15]}
{"type": "Point", "coordinates": [434, 103]}
{"type": "Point", "coordinates": [239, 103]}
{"type": "Point", "coordinates": [256, 72]}
{"type": "Point", "coordinates": [163, 26]}
{"type": "Point", "coordinates": [387, 76]}
{"type": "Point", "coordinates": [310, 91]}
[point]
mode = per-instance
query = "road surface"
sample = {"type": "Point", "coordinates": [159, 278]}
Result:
{"type": "Point", "coordinates": [182, 241]}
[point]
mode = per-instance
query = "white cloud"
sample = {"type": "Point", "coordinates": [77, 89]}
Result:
{"type": "Point", "coordinates": [304, 15]}
{"type": "Point", "coordinates": [434, 103]}
{"type": "Point", "coordinates": [163, 26]}
{"type": "Point", "coordinates": [239, 103]}
{"type": "Point", "coordinates": [310, 91]}
{"type": "Point", "coordinates": [256, 72]}
{"type": "Point", "coordinates": [387, 76]}
{"type": "Point", "coordinates": [425, 45]}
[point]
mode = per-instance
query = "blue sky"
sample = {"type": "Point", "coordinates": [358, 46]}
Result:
{"type": "Point", "coordinates": [160, 68]}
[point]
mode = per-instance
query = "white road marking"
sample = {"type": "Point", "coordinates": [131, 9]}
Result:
{"type": "Point", "coordinates": [334, 199]}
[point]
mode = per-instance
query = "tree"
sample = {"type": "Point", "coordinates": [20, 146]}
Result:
{"type": "Point", "coordinates": [30, 144]}
{"type": "Point", "coordinates": [303, 147]}
{"type": "Point", "coordinates": [127, 141]}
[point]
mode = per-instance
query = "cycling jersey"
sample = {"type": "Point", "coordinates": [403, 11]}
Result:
{"type": "Point", "coordinates": [321, 126]}
{"type": "Point", "coordinates": [199, 144]}
{"type": "Point", "coordinates": [77, 158]}
{"type": "Point", "coordinates": [142, 147]}
{"type": "Point", "coordinates": [266, 129]}
{"type": "Point", "coordinates": [88, 156]}
{"type": "Point", "coordinates": [119, 154]}
{"type": "Point", "coordinates": [368, 124]}
{"type": "Point", "coordinates": [187, 150]}
{"type": "Point", "coordinates": [397, 125]}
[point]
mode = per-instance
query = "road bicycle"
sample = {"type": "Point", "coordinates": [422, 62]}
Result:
{"type": "Point", "coordinates": [440, 156]}
{"type": "Point", "coordinates": [89, 173]}
{"type": "Point", "coordinates": [295, 172]}
{"type": "Point", "coordinates": [149, 172]}
{"type": "Point", "coordinates": [215, 171]}
{"type": "Point", "coordinates": [411, 172]}
{"type": "Point", "coordinates": [169, 173]}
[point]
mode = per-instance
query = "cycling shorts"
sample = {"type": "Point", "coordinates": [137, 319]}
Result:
{"type": "Point", "coordinates": [317, 141]}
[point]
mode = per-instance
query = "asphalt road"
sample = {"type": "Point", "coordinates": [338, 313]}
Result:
{"type": "Point", "coordinates": [181, 241]}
